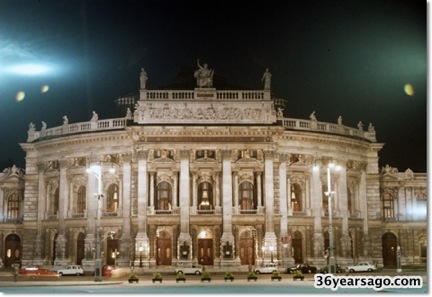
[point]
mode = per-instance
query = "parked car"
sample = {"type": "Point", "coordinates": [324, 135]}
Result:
{"type": "Point", "coordinates": [194, 269]}
{"type": "Point", "coordinates": [108, 270]}
{"type": "Point", "coordinates": [304, 268]}
{"type": "Point", "coordinates": [36, 271]}
{"type": "Point", "coordinates": [71, 270]}
{"type": "Point", "coordinates": [361, 267]}
{"type": "Point", "coordinates": [267, 268]}
{"type": "Point", "coordinates": [339, 269]}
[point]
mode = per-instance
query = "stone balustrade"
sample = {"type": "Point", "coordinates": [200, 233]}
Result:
{"type": "Point", "coordinates": [121, 123]}
{"type": "Point", "coordinates": [204, 93]}
{"type": "Point", "coordinates": [309, 125]}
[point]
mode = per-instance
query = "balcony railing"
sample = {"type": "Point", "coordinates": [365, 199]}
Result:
{"type": "Point", "coordinates": [121, 123]}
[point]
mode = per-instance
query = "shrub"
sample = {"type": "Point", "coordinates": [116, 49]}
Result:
{"type": "Point", "coordinates": [229, 274]}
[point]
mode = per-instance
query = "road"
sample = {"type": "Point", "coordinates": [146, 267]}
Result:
{"type": "Point", "coordinates": [193, 285]}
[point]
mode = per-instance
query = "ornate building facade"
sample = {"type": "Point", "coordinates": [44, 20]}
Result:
{"type": "Point", "coordinates": [215, 177]}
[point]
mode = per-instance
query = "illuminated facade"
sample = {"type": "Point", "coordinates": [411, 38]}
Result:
{"type": "Point", "coordinates": [215, 177]}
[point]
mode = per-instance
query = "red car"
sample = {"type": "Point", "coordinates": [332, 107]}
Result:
{"type": "Point", "coordinates": [107, 270]}
{"type": "Point", "coordinates": [36, 271]}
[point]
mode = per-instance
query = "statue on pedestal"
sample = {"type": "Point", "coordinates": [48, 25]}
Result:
{"type": "Point", "coordinates": [204, 75]}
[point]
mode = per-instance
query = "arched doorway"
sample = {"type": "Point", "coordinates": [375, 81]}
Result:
{"type": "Point", "coordinates": [389, 247]}
{"type": "Point", "coordinates": [112, 251]}
{"type": "Point", "coordinates": [297, 247]}
{"type": "Point", "coordinates": [205, 248]}
{"type": "Point", "coordinates": [246, 245]}
{"type": "Point", "coordinates": [12, 250]}
{"type": "Point", "coordinates": [164, 249]}
{"type": "Point", "coordinates": [80, 248]}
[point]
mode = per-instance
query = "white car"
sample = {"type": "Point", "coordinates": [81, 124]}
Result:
{"type": "Point", "coordinates": [267, 268]}
{"type": "Point", "coordinates": [195, 269]}
{"type": "Point", "coordinates": [361, 267]}
{"type": "Point", "coordinates": [71, 270]}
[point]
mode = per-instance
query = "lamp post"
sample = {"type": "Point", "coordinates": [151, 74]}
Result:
{"type": "Point", "coordinates": [263, 254]}
{"type": "Point", "coordinates": [330, 193]}
{"type": "Point", "coordinates": [141, 250]}
{"type": "Point", "coordinates": [96, 170]}
{"type": "Point", "coordinates": [398, 258]}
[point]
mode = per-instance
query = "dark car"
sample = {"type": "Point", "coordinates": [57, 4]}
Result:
{"type": "Point", "coordinates": [304, 268]}
{"type": "Point", "coordinates": [339, 269]}
{"type": "Point", "coordinates": [107, 270]}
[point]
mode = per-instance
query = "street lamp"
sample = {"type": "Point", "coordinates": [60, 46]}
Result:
{"type": "Point", "coordinates": [271, 253]}
{"type": "Point", "coordinates": [141, 250]}
{"type": "Point", "coordinates": [330, 193]}
{"type": "Point", "coordinates": [96, 170]}
{"type": "Point", "coordinates": [398, 258]}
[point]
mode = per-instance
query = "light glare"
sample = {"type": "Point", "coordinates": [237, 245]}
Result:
{"type": "Point", "coordinates": [29, 69]}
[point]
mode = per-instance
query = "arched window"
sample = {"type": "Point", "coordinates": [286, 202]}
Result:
{"type": "Point", "coordinates": [246, 196]}
{"type": "Point", "coordinates": [351, 209]}
{"type": "Point", "coordinates": [13, 207]}
{"type": "Point", "coordinates": [296, 198]}
{"type": "Point", "coordinates": [54, 208]}
{"type": "Point", "coordinates": [205, 196]}
{"type": "Point", "coordinates": [112, 198]}
{"type": "Point", "coordinates": [164, 196]}
{"type": "Point", "coordinates": [81, 200]}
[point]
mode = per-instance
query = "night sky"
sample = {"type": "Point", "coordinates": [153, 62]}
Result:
{"type": "Point", "coordinates": [339, 58]}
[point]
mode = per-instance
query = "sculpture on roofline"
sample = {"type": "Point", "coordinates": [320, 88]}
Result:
{"type": "Point", "coordinates": [204, 75]}
{"type": "Point", "coordinates": [266, 78]}
{"type": "Point", "coordinates": [143, 79]}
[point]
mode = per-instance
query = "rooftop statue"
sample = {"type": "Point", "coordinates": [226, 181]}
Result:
{"type": "Point", "coordinates": [143, 79]}
{"type": "Point", "coordinates": [266, 79]}
{"type": "Point", "coordinates": [204, 75]}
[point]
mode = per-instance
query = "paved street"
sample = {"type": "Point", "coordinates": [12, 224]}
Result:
{"type": "Point", "coordinates": [193, 285]}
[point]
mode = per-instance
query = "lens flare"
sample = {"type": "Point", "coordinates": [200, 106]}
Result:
{"type": "Point", "coordinates": [44, 89]}
{"type": "Point", "coordinates": [409, 89]}
{"type": "Point", "coordinates": [20, 96]}
{"type": "Point", "coordinates": [29, 69]}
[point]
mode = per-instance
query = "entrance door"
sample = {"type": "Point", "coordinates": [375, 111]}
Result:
{"type": "Point", "coordinates": [205, 251]}
{"type": "Point", "coordinates": [389, 246]}
{"type": "Point", "coordinates": [164, 251]}
{"type": "Point", "coordinates": [247, 256]}
{"type": "Point", "coordinates": [80, 249]}
{"type": "Point", "coordinates": [12, 250]}
{"type": "Point", "coordinates": [297, 251]}
{"type": "Point", "coordinates": [112, 251]}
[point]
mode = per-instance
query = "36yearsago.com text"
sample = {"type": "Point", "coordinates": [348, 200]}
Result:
{"type": "Point", "coordinates": [378, 283]}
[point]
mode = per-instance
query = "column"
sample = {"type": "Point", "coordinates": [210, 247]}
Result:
{"type": "Point", "coordinates": [364, 215]}
{"type": "Point", "coordinates": [236, 192]}
{"type": "Point", "coordinates": [141, 239]}
{"type": "Point", "coordinates": [152, 188]}
{"type": "Point", "coordinates": [126, 239]}
{"type": "Point", "coordinates": [259, 192]}
{"type": "Point", "coordinates": [227, 205]}
{"type": "Point", "coordinates": [283, 189]}
{"type": "Point", "coordinates": [92, 201]}
{"type": "Point", "coordinates": [269, 236]}
{"type": "Point", "coordinates": [194, 192]}
{"type": "Point", "coordinates": [38, 244]}
{"type": "Point", "coordinates": [316, 205]}
{"type": "Point", "coordinates": [342, 198]}
{"type": "Point", "coordinates": [63, 203]}
{"type": "Point", "coordinates": [184, 195]}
